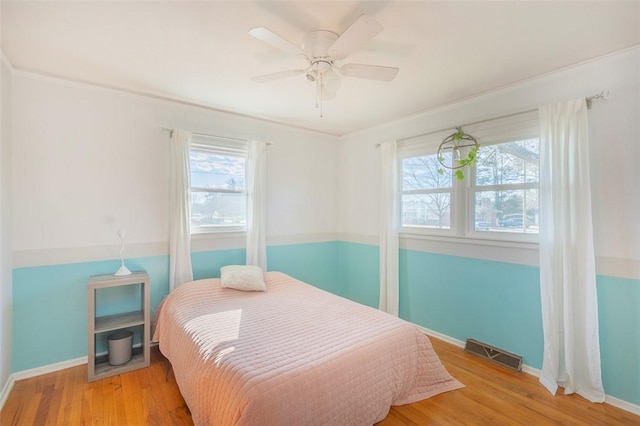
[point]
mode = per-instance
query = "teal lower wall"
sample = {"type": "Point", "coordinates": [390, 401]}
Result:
{"type": "Point", "coordinates": [207, 264]}
{"type": "Point", "coordinates": [499, 303]}
{"type": "Point", "coordinates": [619, 318]}
{"type": "Point", "coordinates": [494, 302]}
{"type": "Point", "coordinates": [360, 272]}
{"type": "Point", "coordinates": [50, 302]}
{"type": "Point", "coordinates": [313, 263]}
{"type": "Point", "coordinates": [50, 307]}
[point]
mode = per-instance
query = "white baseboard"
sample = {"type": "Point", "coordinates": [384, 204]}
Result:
{"type": "Point", "coordinates": [618, 403]}
{"type": "Point", "coordinates": [6, 390]}
{"type": "Point", "coordinates": [530, 370]}
{"type": "Point", "coordinates": [444, 337]}
{"type": "Point", "coordinates": [33, 372]}
{"type": "Point", "coordinates": [25, 374]}
{"type": "Point", "coordinates": [623, 405]}
{"type": "Point", "coordinates": [459, 343]}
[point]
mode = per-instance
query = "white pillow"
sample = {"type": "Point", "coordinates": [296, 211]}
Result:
{"type": "Point", "coordinates": [242, 277]}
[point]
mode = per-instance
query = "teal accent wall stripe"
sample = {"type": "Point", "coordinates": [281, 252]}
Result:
{"type": "Point", "coordinates": [494, 302]}
{"type": "Point", "coordinates": [207, 264]}
{"type": "Point", "coordinates": [498, 303]}
{"type": "Point", "coordinates": [313, 263]}
{"type": "Point", "coordinates": [50, 307]}
{"type": "Point", "coordinates": [619, 319]}
{"type": "Point", "coordinates": [360, 272]}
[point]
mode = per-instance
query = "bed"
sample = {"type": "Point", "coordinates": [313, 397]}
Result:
{"type": "Point", "coordinates": [291, 355]}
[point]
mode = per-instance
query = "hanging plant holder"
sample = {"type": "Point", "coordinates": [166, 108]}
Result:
{"type": "Point", "coordinates": [458, 143]}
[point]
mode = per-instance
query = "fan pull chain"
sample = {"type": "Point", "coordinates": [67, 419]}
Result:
{"type": "Point", "coordinates": [317, 94]}
{"type": "Point", "coordinates": [320, 91]}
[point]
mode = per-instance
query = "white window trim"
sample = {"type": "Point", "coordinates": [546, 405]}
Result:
{"type": "Point", "coordinates": [222, 229]}
{"type": "Point", "coordinates": [416, 150]}
{"type": "Point", "coordinates": [480, 242]}
{"type": "Point", "coordinates": [462, 229]}
{"type": "Point", "coordinates": [197, 234]}
{"type": "Point", "coordinates": [526, 237]}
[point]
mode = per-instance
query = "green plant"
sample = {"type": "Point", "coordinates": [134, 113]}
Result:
{"type": "Point", "coordinates": [459, 140]}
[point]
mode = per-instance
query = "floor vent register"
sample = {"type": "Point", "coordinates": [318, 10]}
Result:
{"type": "Point", "coordinates": [494, 354]}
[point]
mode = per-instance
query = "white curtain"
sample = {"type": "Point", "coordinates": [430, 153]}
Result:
{"type": "Point", "coordinates": [180, 270]}
{"type": "Point", "coordinates": [567, 260]}
{"type": "Point", "coordinates": [389, 275]}
{"type": "Point", "coordinates": [256, 204]}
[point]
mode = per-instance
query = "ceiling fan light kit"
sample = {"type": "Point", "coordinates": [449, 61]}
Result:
{"type": "Point", "coordinates": [322, 49]}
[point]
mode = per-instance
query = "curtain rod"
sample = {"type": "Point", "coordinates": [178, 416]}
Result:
{"type": "Point", "coordinates": [601, 95]}
{"type": "Point", "coordinates": [204, 135]}
{"type": "Point", "coordinates": [588, 99]}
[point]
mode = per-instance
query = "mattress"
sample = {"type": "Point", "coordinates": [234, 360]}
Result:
{"type": "Point", "coordinates": [292, 355]}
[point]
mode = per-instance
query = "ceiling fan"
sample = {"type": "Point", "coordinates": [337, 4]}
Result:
{"type": "Point", "coordinates": [322, 50]}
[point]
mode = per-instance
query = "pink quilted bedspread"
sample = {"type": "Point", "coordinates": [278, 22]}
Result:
{"type": "Point", "coordinates": [293, 355]}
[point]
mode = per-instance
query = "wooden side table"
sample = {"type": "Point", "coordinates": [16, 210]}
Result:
{"type": "Point", "coordinates": [98, 369]}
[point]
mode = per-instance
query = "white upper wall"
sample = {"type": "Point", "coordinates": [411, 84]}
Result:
{"type": "Point", "coordinates": [614, 138]}
{"type": "Point", "coordinates": [88, 161]}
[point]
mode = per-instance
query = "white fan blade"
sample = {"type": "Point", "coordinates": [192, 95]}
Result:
{"type": "Point", "coordinates": [269, 37]}
{"type": "Point", "coordinates": [276, 75]}
{"type": "Point", "coordinates": [357, 35]}
{"type": "Point", "coordinates": [371, 72]}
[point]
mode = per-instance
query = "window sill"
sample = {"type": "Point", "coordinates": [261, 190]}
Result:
{"type": "Point", "coordinates": [218, 233]}
{"type": "Point", "coordinates": [523, 253]}
{"type": "Point", "coordinates": [219, 240]}
{"type": "Point", "coordinates": [470, 240]}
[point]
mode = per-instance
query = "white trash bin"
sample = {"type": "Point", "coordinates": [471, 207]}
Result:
{"type": "Point", "coordinates": [120, 347]}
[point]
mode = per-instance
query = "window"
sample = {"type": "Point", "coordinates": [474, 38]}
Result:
{"type": "Point", "coordinates": [426, 193]}
{"type": "Point", "coordinates": [505, 189]}
{"type": "Point", "coordinates": [218, 186]}
{"type": "Point", "coordinates": [498, 197]}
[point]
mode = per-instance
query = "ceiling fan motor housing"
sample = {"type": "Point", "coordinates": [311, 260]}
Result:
{"type": "Point", "coordinates": [316, 44]}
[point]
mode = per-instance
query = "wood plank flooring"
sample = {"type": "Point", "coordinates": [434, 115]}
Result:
{"type": "Point", "coordinates": [493, 395]}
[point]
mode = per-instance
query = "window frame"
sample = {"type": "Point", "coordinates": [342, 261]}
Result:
{"type": "Point", "coordinates": [453, 225]}
{"type": "Point", "coordinates": [472, 189]}
{"type": "Point", "coordinates": [516, 127]}
{"type": "Point", "coordinates": [224, 147]}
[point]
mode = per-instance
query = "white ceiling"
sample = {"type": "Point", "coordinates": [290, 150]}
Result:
{"type": "Point", "coordinates": [200, 52]}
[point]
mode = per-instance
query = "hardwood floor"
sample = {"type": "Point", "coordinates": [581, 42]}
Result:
{"type": "Point", "coordinates": [148, 396]}
{"type": "Point", "coordinates": [493, 396]}
{"type": "Point", "coordinates": [496, 395]}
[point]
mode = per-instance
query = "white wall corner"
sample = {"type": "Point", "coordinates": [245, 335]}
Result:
{"type": "Point", "coordinates": [5, 60]}
{"type": "Point", "coordinates": [6, 389]}
{"type": "Point", "coordinates": [372, 240]}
